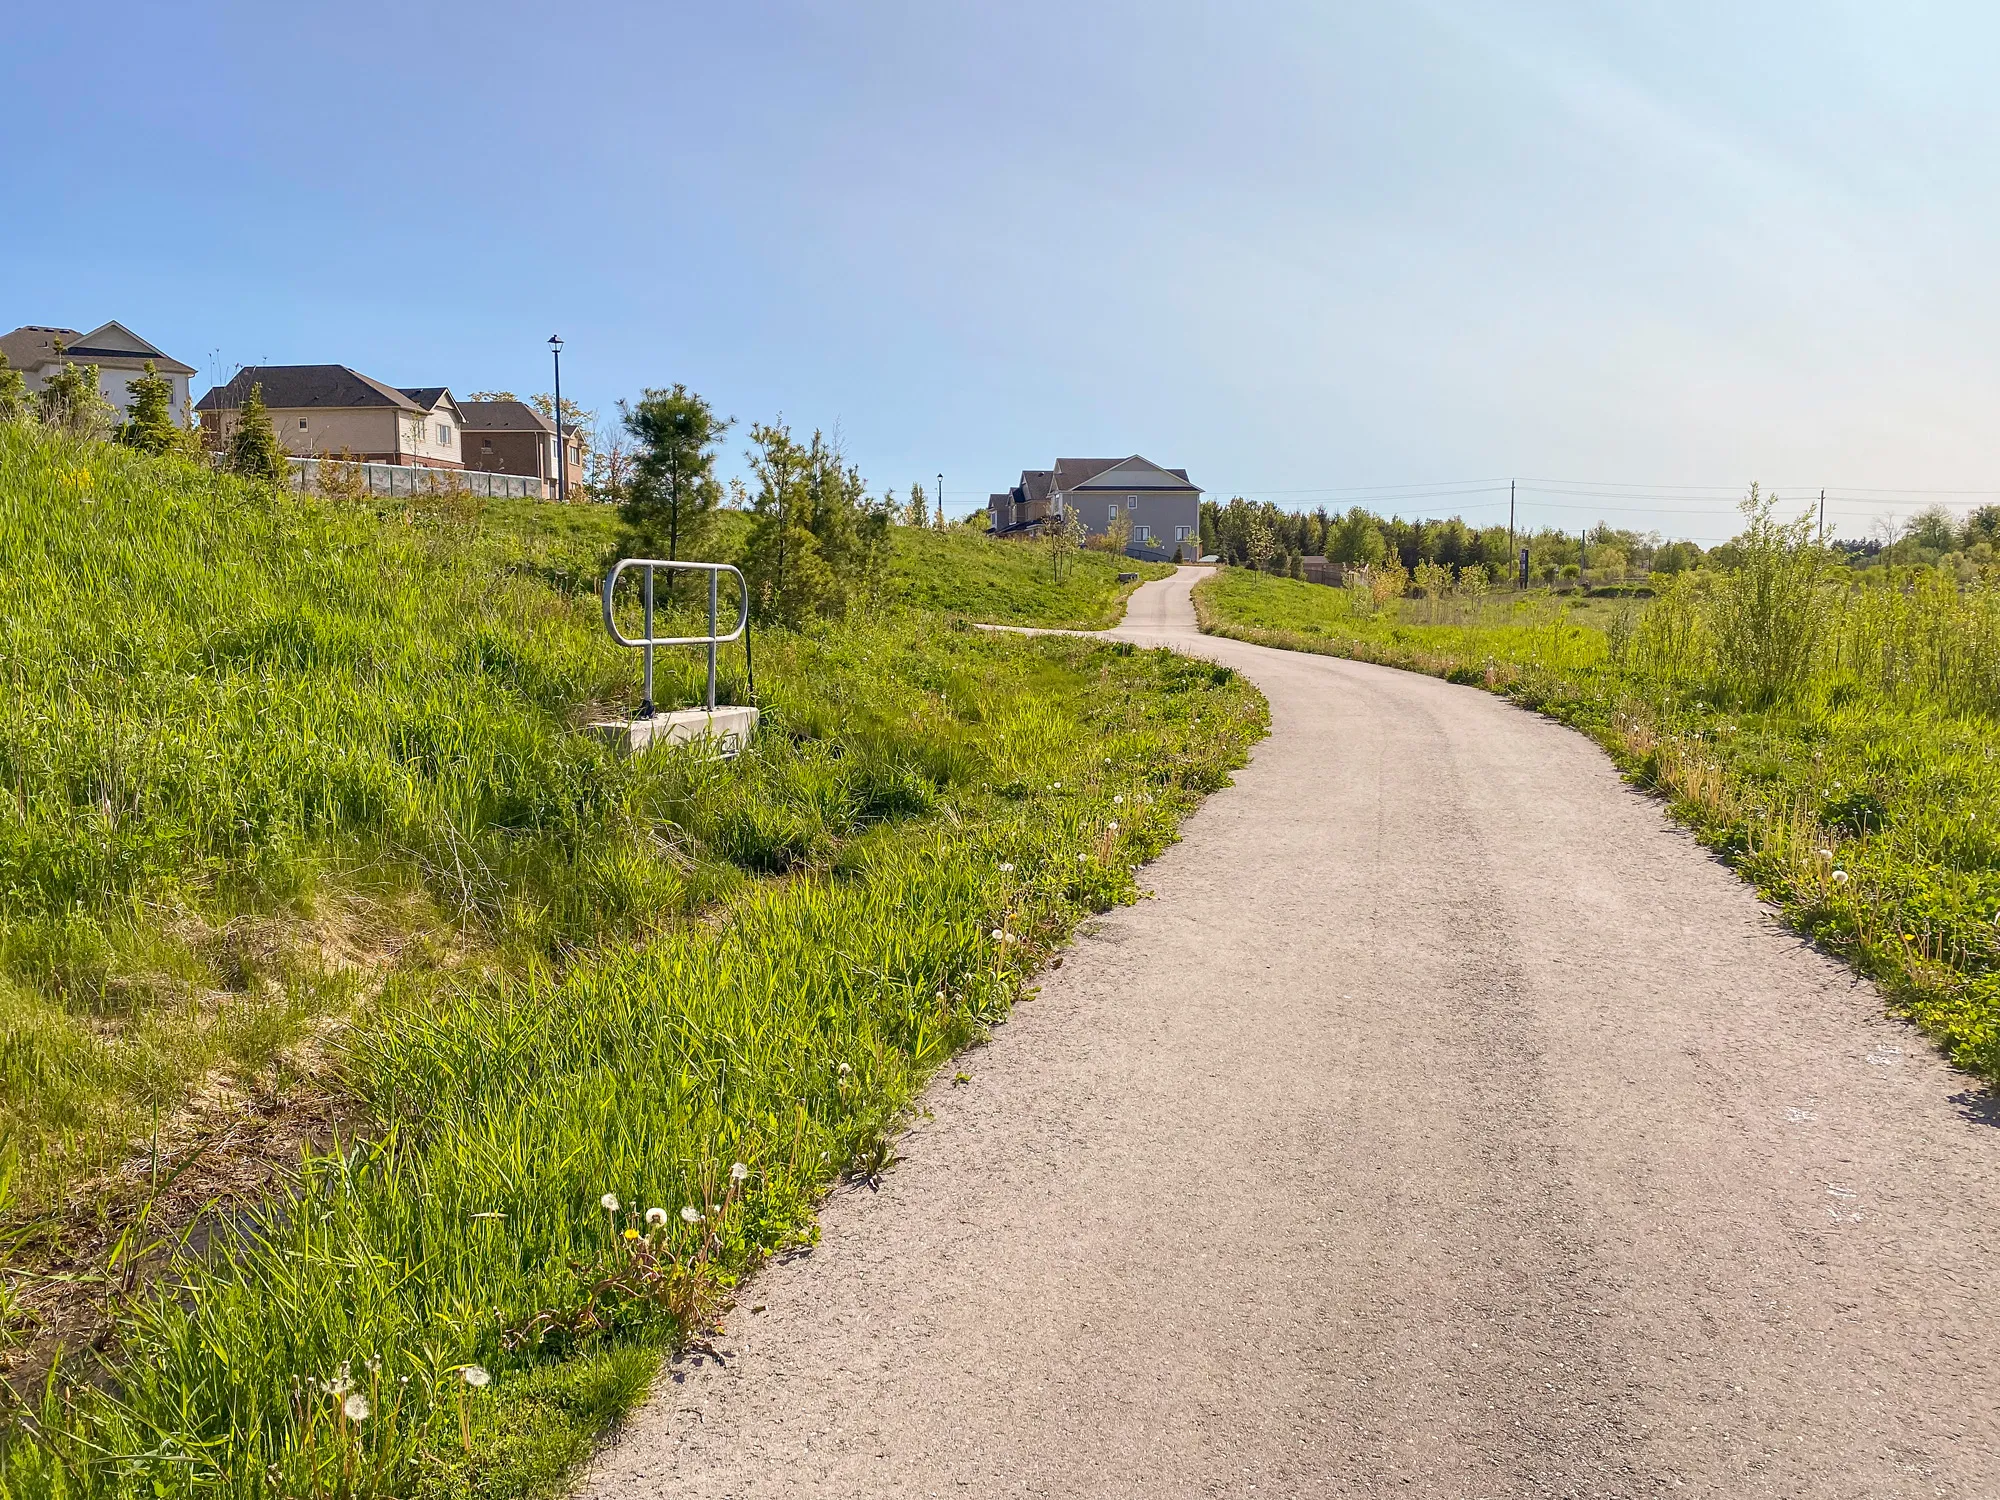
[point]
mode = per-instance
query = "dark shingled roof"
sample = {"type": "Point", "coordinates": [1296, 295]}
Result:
{"type": "Point", "coordinates": [427, 396]}
{"type": "Point", "coordinates": [502, 416]}
{"type": "Point", "coordinates": [294, 386]}
{"type": "Point", "coordinates": [33, 345]}
{"type": "Point", "coordinates": [1071, 472]}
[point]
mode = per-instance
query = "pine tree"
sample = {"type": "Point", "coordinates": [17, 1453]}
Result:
{"type": "Point", "coordinates": [789, 580]}
{"type": "Point", "coordinates": [919, 513]}
{"type": "Point", "coordinates": [254, 451]}
{"type": "Point", "coordinates": [150, 427]}
{"type": "Point", "coordinates": [673, 493]}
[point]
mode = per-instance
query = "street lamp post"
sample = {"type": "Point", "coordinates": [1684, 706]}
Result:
{"type": "Point", "coordinates": [562, 454]}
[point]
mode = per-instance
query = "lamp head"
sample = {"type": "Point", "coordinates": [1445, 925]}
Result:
{"type": "Point", "coordinates": [555, 342]}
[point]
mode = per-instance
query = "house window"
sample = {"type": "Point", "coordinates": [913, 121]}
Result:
{"type": "Point", "coordinates": [1182, 533]}
{"type": "Point", "coordinates": [444, 433]}
{"type": "Point", "coordinates": [1131, 502]}
{"type": "Point", "coordinates": [1142, 533]}
{"type": "Point", "coordinates": [302, 424]}
{"type": "Point", "coordinates": [487, 447]}
{"type": "Point", "coordinates": [1112, 511]}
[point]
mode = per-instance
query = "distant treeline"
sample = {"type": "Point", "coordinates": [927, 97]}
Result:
{"type": "Point", "coordinates": [1261, 535]}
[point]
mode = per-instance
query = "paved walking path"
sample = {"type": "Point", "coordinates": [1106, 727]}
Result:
{"type": "Point", "coordinates": [1449, 1125]}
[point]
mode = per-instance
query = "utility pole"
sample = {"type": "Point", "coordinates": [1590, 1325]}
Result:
{"type": "Point", "coordinates": [1510, 523]}
{"type": "Point", "coordinates": [562, 454]}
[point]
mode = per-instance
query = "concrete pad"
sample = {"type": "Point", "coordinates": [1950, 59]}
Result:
{"type": "Point", "coordinates": [729, 729]}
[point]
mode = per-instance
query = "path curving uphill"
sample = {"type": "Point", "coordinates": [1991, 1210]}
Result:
{"type": "Point", "coordinates": [1450, 1125]}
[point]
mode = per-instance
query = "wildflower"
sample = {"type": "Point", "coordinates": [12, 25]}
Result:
{"type": "Point", "coordinates": [1083, 859]}
{"type": "Point", "coordinates": [631, 1233]}
{"type": "Point", "coordinates": [356, 1407]}
{"type": "Point", "coordinates": [1112, 826]}
{"type": "Point", "coordinates": [740, 1171]}
{"type": "Point", "coordinates": [1826, 854]}
{"type": "Point", "coordinates": [691, 1214]}
{"type": "Point", "coordinates": [1006, 869]}
{"type": "Point", "coordinates": [655, 1217]}
{"type": "Point", "coordinates": [609, 1203]}
{"type": "Point", "coordinates": [1055, 786]}
{"type": "Point", "coordinates": [844, 1069]}
{"type": "Point", "coordinates": [374, 1364]}
{"type": "Point", "coordinates": [475, 1376]}
{"type": "Point", "coordinates": [1119, 800]}
{"type": "Point", "coordinates": [1840, 877]}
{"type": "Point", "coordinates": [342, 1382]}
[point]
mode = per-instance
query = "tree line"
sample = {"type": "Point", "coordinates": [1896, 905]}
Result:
{"type": "Point", "coordinates": [1262, 536]}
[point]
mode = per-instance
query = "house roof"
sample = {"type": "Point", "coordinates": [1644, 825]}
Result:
{"type": "Point", "coordinates": [429, 396]}
{"type": "Point", "coordinates": [109, 344]}
{"type": "Point", "coordinates": [502, 416]}
{"type": "Point", "coordinates": [1134, 473]}
{"type": "Point", "coordinates": [291, 387]}
{"type": "Point", "coordinates": [1034, 484]}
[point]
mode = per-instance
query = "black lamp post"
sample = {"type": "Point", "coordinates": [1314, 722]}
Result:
{"type": "Point", "coordinates": [562, 453]}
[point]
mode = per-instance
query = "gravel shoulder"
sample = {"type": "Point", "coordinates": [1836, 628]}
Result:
{"type": "Point", "coordinates": [1447, 1124]}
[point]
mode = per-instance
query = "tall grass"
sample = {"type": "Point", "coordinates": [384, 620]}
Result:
{"type": "Point", "coordinates": [273, 765]}
{"type": "Point", "coordinates": [1833, 738]}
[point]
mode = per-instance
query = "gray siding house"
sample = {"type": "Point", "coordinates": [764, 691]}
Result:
{"type": "Point", "coordinates": [1163, 507]}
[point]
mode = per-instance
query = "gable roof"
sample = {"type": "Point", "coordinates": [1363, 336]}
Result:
{"type": "Point", "coordinates": [429, 397]}
{"type": "Point", "coordinates": [294, 386]}
{"type": "Point", "coordinates": [112, 343]}
{"type": "Point", "coordinates": [502, 416]}
{"type": "Point", "coordinates": [1134, 473]}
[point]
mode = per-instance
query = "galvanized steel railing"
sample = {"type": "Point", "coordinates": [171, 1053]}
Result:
{"type": "Point", "coordinates": [648, 641]}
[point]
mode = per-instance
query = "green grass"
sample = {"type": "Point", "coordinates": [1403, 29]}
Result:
{"type": "Point", "coordinates": [1865, 802]}
{"type": "Point", "coordinates": [295, 809]}
{"type": "Point", "coordinates": [1012, 582]}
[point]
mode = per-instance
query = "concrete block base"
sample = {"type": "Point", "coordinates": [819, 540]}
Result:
{"type": "Point", "coordinates": [727, 730]}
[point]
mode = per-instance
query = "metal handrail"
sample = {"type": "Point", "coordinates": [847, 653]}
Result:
{"type": "Point", "coordinates": [648, 641]}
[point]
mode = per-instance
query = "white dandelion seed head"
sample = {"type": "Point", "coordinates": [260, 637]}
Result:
{"type": "Point", "coordinates": [1112, 826]}
{"type": "Point", "coordinates": [1083, 859]}
{"type": "Point", "coordinates": [655, 1217]}
{"type": "Point", "coordinates": [1825, 853]}
{"type": "Point", "coordinates": [1006, 869]}
{"type": "Point", "coordinates": [476, 1377]}
{"type": "Point", "coordinates": [845, 1069]}
{"type": "Point", "coordinates": [738, 1172]}
{"type": "Point", "coordinates": [691, 1214]}
{"type": "Point", "coordinates": [1840, 877]}
{"type": "Point", "coordinates": [997, 934]}
{"type": "Point", "coordinates": [609, 1203]}
{"type": "Point", "coordinates": [1118, 801]}
{"type": "Point", "coordinates": [356, 1407]}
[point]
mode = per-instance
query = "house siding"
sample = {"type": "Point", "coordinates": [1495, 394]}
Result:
{"type": "Point", "coordinates": [1160, 512]}
{"type": "Point", "coordinates": [513, 452]}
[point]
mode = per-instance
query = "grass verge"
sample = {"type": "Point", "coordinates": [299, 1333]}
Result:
{"type": "Point", "coordinates": [1871, 821]}
{"type": "Point", "coordinates": [301, 827]}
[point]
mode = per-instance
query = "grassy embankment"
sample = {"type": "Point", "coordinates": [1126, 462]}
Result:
{"type": "Point", "coordinates": [1862, 798]}
{"type": "Point", "coordinates": [341, 974]}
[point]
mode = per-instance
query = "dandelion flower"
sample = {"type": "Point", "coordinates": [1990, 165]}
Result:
{"type": "Point", "coordinates": [609, 1203]}
{"type": "Point", "coordinates": [1006, 869]}
{"type": "Point", "coordinates": [740, 1171]}
{"type": "Point", "coordinates": [997, 934]}
{"type": "Point", "coordinates": [1118, 801]}
{"type": "Point", "coordinates": [655, 1217]}
{"type": "Point", "coordinates": [1840, 877]}
{"type": "Point", "coordinates": [476, 1376]}
{"type": "Point", "coordinates": [1826, 854]}
{"type": "Point", "coordinates": [1083, 859]}
{"type": "Point", "coordinates": [1112, 826]}
{"type": "Point", "coordinates": [356, 1407]}
{"type": "Point", "coordinates": [691, 1214]}
{"type": "Point", "coordinates": [631, 1233]}
{"type": "Point", "coordinates": [845, 1069]}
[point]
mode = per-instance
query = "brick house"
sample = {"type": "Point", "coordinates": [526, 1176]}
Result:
{"type": "Point", "coordinates": [511, 437]}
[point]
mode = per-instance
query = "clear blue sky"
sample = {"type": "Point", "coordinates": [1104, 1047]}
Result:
{"type": "Point", "coordinates": [1302, 249]}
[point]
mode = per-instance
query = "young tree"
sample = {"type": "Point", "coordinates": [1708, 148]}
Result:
{"type": "Point", "coordinates": [789, 580]}
{"type": "Point", "coordinates": [151, 427]}
{"type": "Point", "coordinates": [71, 403]}
{"type": "Point", "coordinates": [254, 451]}
{"type": "Point", "coordinates": [611, 463]}
{"type": "Point", "coordinates": [1258, 544]}
{"type": "Point", "coordinates": [673, 492]}
{"type": "Point", "coordinates": [13, 393]}
{"type": "Point", "coordinates": [919, 512]}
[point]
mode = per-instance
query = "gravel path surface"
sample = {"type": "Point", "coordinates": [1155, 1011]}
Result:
{"type": "Point", "coordinates": [1450, 1125]}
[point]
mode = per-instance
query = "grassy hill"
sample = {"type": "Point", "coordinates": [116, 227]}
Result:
{"type": "Point", "coordinates": [342, 975]}
{"type": "Point", "coordinates": [1860, 794]}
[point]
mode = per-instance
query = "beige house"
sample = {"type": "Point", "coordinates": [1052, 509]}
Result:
{"type": "Point", "coordinates": [330, 409]}
{"type": "Point", "coordinates": [119, 354]}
